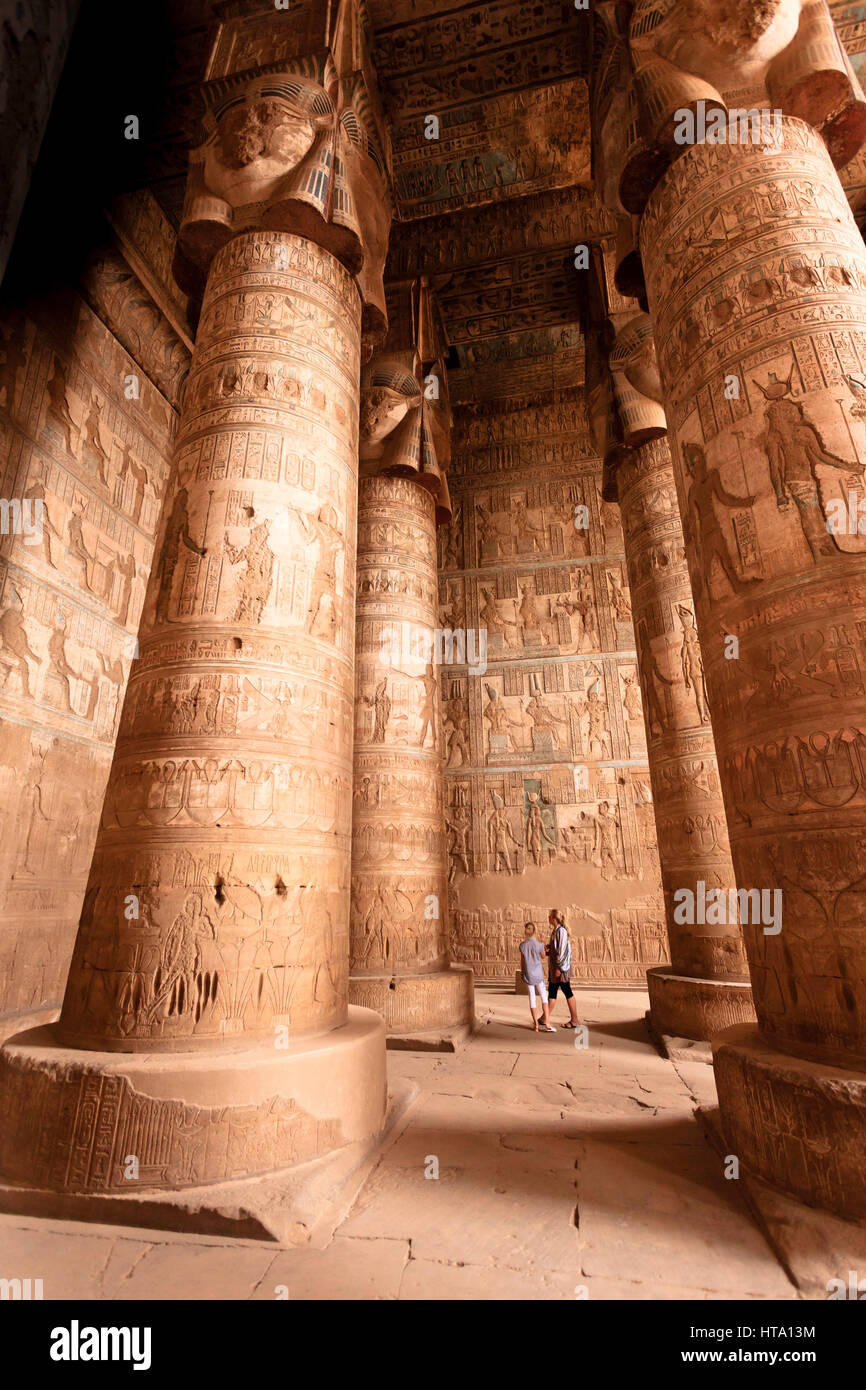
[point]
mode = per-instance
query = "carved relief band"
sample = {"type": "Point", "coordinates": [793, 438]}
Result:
{"type": "Point", "coordinates": [757, 283]}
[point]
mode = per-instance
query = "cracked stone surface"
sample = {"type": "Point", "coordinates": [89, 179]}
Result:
{"type": "Point", "coordinates": [563, 1173]}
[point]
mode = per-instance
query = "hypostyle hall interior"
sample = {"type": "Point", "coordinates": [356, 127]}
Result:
{"type": "Point", "coordinates": [433, 650]}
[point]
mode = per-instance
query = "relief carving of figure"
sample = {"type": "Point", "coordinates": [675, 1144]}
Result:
{"type": "Point", "coordinates": [256, 580]}
{"type": "Point", "coordinates": [58, 401]}
{"type": "Point", "coordinates": [14, 643]}
{"type": "Point", "coordinates": [650, 672]}
{"type": "Point", "coordinates": [543, 719]}
{"type": "Point", "coordinates": [92, 440]}
{"type": "Point", "coordinates": [705, 488]}
{"type": "Point", "coordinates": [606, 846]}
{"type": "Point", "coordinates": [539, 841]}
{"type": "Point", "coordinates": [458, 848]}
{"type": "Point", "coordinates": [176, 532]}
{"type": "Point", "coordinates": [692, 662]}
{"type": "Point", "coordinates": [794, 449]}
{"type": "Point", "coordinates": [499, 833]}
{"type": "Point", "coordinates": [381, 702]}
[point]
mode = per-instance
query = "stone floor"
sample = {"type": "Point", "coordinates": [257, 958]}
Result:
{"type": "Point", "coordinates": [562, 1173]}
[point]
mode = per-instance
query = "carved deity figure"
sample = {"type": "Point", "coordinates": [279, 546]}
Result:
{"type": "Point", "coordinates": [543, 719]}
{"type": "Point", "coordinates": [13, 642]}
{"type": "Point", "coordinates": [140, 478]}
{"type": "Point", "coordinates": [539, 841]}
{"type": "Point", "coordinates": [499, 834]}
{"type": "Point", "coordinates": [256, 580]}
{"type": "Point", "coordinates": [620, 598]}
{"type": "Point", "coordinates": [705, 488]}
{"type": "Point", "coordinates": [176, 532]}
{"type": "Point", "coordinates": [497, 716]}
{"type": "Point", "coordinates": [606, 851]}
{"type": "Point", "coordinates": [692, 662]}
{"type": "Point", "coordinates": [597, 733]}
{"type": "Point", "coordinates": [92, 440]}
{"type": "Point", "coordinates": [381, 703]}
{"type": "Point", "coordinates": [650, 673]}
{"type": "Point", "coordinates": [58, 401]}
{"type": "Point", "coordinates": [458, 849]}
{"type": "Point", "coordinates": [794, 449]}
{"type": "Point", "coordinates": [78, 548]}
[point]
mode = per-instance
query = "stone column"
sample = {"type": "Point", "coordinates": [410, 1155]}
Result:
{"type": "Point", "coordinates": [706, 987]}
{"type": "Point", "coordinates": [213, 945]}
{"type": "Point", "coordinates": [399, 954]}
{"type": "Point", "coordinates": [757, 282]}
{"type": "Point", "coordinates": [399, 961]}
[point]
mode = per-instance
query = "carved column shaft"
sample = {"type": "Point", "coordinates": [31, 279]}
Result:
{"type": "Point", "coordinates": [706, 987]}
{"type": "Point", "coordinates": [398, 845]}
{"type": "Point", "coordinates": [228, 805]}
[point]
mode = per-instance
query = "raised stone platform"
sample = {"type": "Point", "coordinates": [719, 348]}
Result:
{"type": "Point", "coordinates": [170, 1125]}
{"type": "Point", "coordinates": [818, 1251]}
{"type": "Point", "coordinates": [420, 1007]}
{"type": "Point", "coordinates": [685, 1006]}
{"type": "Point", "coordinates": [797, 1125]}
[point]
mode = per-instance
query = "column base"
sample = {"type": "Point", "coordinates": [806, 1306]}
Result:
{"type": "Point", "coordinates": [799, 1126]}
{"type": "Point", "coordinates": [420, 1008]}
{"type": "Point", "coordinates": [109, 1122]}
{"type": "Point", "coordinates": [686, 1006]}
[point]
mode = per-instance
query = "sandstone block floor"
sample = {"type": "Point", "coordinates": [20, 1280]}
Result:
{"type": "Point", "coordinates": [563, 1173]}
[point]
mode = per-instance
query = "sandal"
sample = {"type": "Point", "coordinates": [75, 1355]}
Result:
{"type": "Point", "coordinates": [547, 1030]}
{"type": "Point", "coordinates": [571, 1025]}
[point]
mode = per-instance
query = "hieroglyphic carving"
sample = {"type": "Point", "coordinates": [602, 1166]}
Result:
{"type": "Point", "coordinates": [398, 840]}
{"type": "Point", "coordinates": [613, 945]}
{"type": "Point", "coordinates": [70, 600]}
{"type": "Point", "coordinates": [79, 1137]}
{"type": "Point", "coordinates": [546, 779]}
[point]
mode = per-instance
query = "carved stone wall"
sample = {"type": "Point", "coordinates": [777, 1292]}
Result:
{"type": "Point", "coordinates": [547, 785]}
{"type": "Point", "coordinates": [86, 440]}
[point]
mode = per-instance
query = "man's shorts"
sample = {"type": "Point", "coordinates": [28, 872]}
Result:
{"type": "Point", "coordinates": [557, 985]}
{"type": "Point", "coordinates": [542, 990]}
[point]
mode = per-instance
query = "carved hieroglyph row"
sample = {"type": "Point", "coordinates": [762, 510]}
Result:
{"type": "Point", "coordinates": [80, 1138]}
{"type": "Point", "coordinates": [228, 809]}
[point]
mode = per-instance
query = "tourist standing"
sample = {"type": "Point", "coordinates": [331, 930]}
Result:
{"type": "Point", "coordinates": [559, 965]}
{"type": "Point", "coordinates": [531, 956]}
